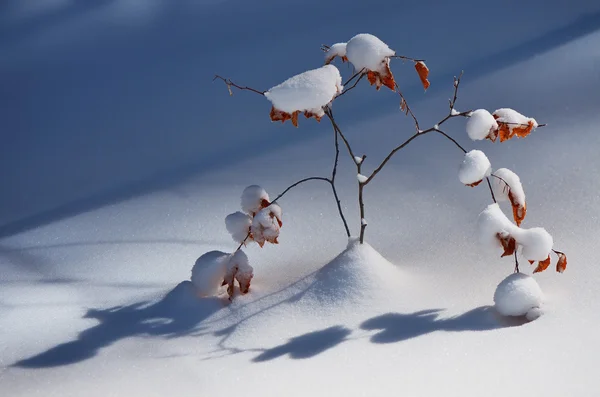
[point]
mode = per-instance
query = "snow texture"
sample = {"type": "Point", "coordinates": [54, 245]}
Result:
{"type": "Point", "coordinates": [513, 118]}
{"type": "Point", "coordinates": [239, 265]}
{"type": "Point", "coordinates": [208, 272]}
{"type": "Point", "coordinates": [519, 295]}
{"type": "Point", "coordinates": [266, 224]}
{"type": "Point", "coordinates": [503, 177]}
{"type": "Point", "coordinates": [308, 91]}
{"type": "Point", "coordinates": [361, 178]}
{"type": "Point", "coordinates": [536, 242]}
{"type": "Point", "coordinates": [253, 199]}
{"type": "Point", "coordinates": [336, 50]}
{"type": "Point", "coordinates": [366, 51]}
{"type": "Point", "coordinates": [238, 225]}
{"type": "Point", "coordinates": [480, 124]}
{"type": "Point", "coordinates": [474, 168]}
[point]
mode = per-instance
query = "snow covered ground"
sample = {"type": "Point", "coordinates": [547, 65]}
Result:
{"type": "Point", "coordinates": [122, 160]}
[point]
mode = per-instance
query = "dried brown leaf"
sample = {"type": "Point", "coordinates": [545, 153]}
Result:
{"type": "Point", "coordinates": [423, 72]}
{"type": "Point", "coordinates": [542, 265]}
{"type": "Point", "coordinates": [561, 265]}
{"type": "Point", "coordinates": [508, 243]}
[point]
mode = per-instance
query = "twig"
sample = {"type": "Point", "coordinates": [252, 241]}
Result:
{"type": "Point", "coordinates": [332, 181]}
{"type": "Point", "coordinates": [354, 85]}
{"type": "Point", "coordinates": [407, 58]}
{"type": "Point", "coordinates": [230, 84]}
{"type": "Point", "coordinates": [406, 108]}
{"type": "Point", "coordinates": [516, 263]}
{"type": "Point", "coordinates": [360, 72]}
{"type": "Point", "coordinates": [312, 178]}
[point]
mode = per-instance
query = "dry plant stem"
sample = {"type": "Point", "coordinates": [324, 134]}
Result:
{"type": "Point", "coordinates": [333, 175]}
{"type": "Point", "coordinates": [354, 85]}
{"type": "Point", "coordinates": [230, 84]}
{"type": "Point", "coordinates": [407, 58]}
{"type": "Point", "coordinates": [516, 263]}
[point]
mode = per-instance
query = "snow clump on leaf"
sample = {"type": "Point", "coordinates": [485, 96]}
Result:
{"type": "Point", "coordinates": [306, 92]}
{"type": "Point", "coordinates": [238, 268]}
{"type": "Point", "coordinates": [336, 50]}
{"type": "Point", "coordinates": [208, 272]}
{"type": "Point", "coordinates": [507, 186]}
{"type": "Point", "coordinates": [474, 168]}
{"type": "Point", "coordinates": [518, 295]}
{"type": "Point", "coordinates": [254, 198]}
{"type": "Point", "coordinates": [266, 225]}
{"type": "Point", "coordinates": [512, 123]}
{"type": "Point", "coordinates": [238, 225]}
{"type": "Point", "coordinates": [482, 125]}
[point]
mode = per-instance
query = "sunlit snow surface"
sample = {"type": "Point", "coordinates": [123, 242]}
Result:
{"type": "Point", "coordinates": [122, 160]}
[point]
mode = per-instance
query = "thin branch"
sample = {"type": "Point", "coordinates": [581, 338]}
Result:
{"type": "Point", "coordinates": [487, 178]}
{"type": "Point", "coordinates": [407, 58]}
{"type": "Point", "coordinates": [332, 181]}
{"type": "Point", "coordinates": [389, 156]}
{"type": "Point", "coordinates": [451, 139]}
{"type": "Point", "coordinates": [520, 124]}
{"type": "Point", "coordinates": [516, 263]}
{"type": "Point", "coordinates": [329, 114]}
{"type": "Point", "coordinates": [230, 84]}
{"type": "Point", "coordinates": [360, 72]}
{"type": "Point", "coordinates": [354, 85]}
{"type": "Point", "coordinates": [312, 178]}
{"type": "Point", "coordinates": [406, 108]}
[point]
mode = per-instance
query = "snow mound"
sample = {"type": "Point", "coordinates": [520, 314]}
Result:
{"type": "Point", "coordinates": [356, 274]}
{"type": "Point", "coordinates": [209, 271]}
{"type": "Point", "coordinates": [474, 168]}
{"type": "Point", "coordinates": [481, 124]}
{"type": "Point", "coordinates": [308, 91]}
{"type": "Point", "coordinates": [519, 295]}
{"type": "Point", "coordinates": [366, 51]}
{"type": "Point", "coordinates": [504, 177]}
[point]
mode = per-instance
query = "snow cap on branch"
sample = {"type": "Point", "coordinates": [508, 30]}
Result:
{"type": "Point", "coordinates": [238, 225]}
{"type": "Point", "coordinates": [208, 272]}
{"type": "Point", "coordinates": [336, 50]}
{"type": "Point", "coordinates": [266, 225]}
{"type": "Point", "coordinates": [474, 168]}
{"type": "Point", "coordinates": [512, 123]}
{"type": "Point", "coordinates": [238, 268]}
{"type": "Point", "coordinates": [482, 125]}
{"type": "Point", "coordinates": [306, 92]}
{"type": "Point", "coordinates": [507, 186]}
{"type": "Point", "coordinates": [254, 198]}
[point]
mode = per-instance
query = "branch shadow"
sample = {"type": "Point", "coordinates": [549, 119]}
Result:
{"type": "Point", "coordinates": [178, 314]}
{"type": "Point", "coordinates": [307, 345]}
{"type": "Point", "coordinates": [397, 327]}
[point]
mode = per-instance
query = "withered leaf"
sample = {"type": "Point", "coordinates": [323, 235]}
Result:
{"type": "Point", "coordinates": [508, 243]}
{"type": "Point", "coordinates": [423, 72]}
{"type": "Point", "coordinates": [561, 265]}
{"type": "Point", "coordinates": [542, 265]}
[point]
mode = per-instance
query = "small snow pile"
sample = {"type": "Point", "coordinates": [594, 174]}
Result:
{"type": "Point", "coordinates": [519, 295]}
{"type": "Point", "coordinates": [238, 225]}
{"type": "Point", "coordinates": [481, 125]}
{"type": "Point", "coordinates": [254, 198]}
{"type": "Point", "coordinates": [306, 92]}
{"type": "Point", "coordinates": [507, 186]}
{"type": "Point", "coordinates": [266, 225]}
{"type": "Point", "coordinates": [361, 178]}
{"type": "Point", "coordinates": [215, 269]}
{"type": "Point", "coordinates": [336, 50]}
{"type": "Point", "coordinates": [512, 123]}
{"type": "Point", "coordinates": [357, 274]}
{"type": "Point", "coordinates": [474, 168]}
{"type": "Point", "coordinates": [495, 229]}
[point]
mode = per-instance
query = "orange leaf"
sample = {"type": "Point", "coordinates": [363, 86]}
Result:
{"type": "Point", "coordinates": [308, 115]}
{"type": "Point", "coordinates": [278, 115]}
{"type": "Point", "coordinates": [504, 132]}
{"type": "Point", "coordinates": [295, 118]}
{"type": "Point", "coordinates": [542, 265]}
{"type": "Point", "coordinates": [561, 265]}
{"type": "Point", "coordinates": [531, 262]}
{"type": "Point", "coordinates": [423, 72]}
{"type": "Point", "coordinates": [508, 243]}
{"type": "Point", "coordinates": [387, 78]}
{"type": "Point", "coordinates": [474, 183]}
{"type": "Point", "coordinates": [519, 211]}
{"type": "Point", "coordinates": [492, 135]}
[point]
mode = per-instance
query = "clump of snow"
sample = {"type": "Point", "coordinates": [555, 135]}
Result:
{"type": "Point", "coordinates": [474, 168]}
{"type": "Point", "coordinates": [536, 242]}
{"type": "Point", "coordinates": [239, 267]}
{"type": "Point", "coordinates": [519, 295]}
{"type": "Point", "coordinates": [481, 124]}
{"type": "Point", "coordinates": [238, 225]}
{"type": "Point", "coordinates": [266, 225]}
{"type": "Point", "coordinates": [308, 91]}
{"type": "Point", "coordinates": [506, 182]}
{"type": "Point", "coordinates": [254, 198]}
{"type": "Point", "coordinates": [366, 51]}
{"type": "Point", "coordinates": [454, 112]}
{"type": "Point", "coordinates": [512, 117]}
{"type": "Point", "coordinates": [208, 272]}
{"type": "Point", "coordinates": [336, 50]}
{"type": "Point", "coordinates": [361, 178]}
{"type": "Point", "coordinates": [358, 160]}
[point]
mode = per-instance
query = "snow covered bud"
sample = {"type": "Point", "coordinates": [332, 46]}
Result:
{"type": "Point", "coordinates": [474, 168]}
{"type": "Point", "coordinates": [266, 225]}
{"type": "Point", "coordinates": [254, 198]}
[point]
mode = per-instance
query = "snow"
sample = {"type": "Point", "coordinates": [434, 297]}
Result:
{"type": "Point", "coordinates": [536, 242]}
{"type": "Point", "coordinates": [103, 217]}
{"type": "Point", "coordinates": [336, 50]}
{"type": "Point", "coordinates": [368, 52]}
{"type": "Point", "coordinates": [253, 199]}
{"type": "Point", "coordinates": [362, 178]}
{"type": "Point", "coordinates": [513, 118]}
{"type": "Point", "coordinates": [266, 224]}
{"type": "Point", "coordinates": [208, 272]}
{"type": "Point", "coordinates": [474, 168]}
{"type": "Point", "coordinates": [358, 160]}
{"type": "Point", "coordinates": [519, 295]}
{"type": "Point", "coordinates": [238, 225]}
{"type": "Point", "coordinates": [239, 264]}
{"type": "Point", "coordinates": [503, 177]}
{"type": "Point", "coordinates": [308, 91]}
{"type": "Point", "coordinates": [480, 124]}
